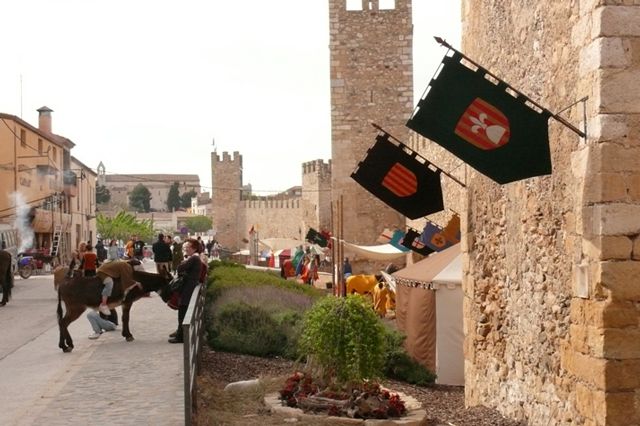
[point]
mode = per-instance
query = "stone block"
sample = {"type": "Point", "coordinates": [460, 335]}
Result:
{"type": "Point", "coordinates": [578, 338]}
{"type": "Point", "coordinates": [607, 247]}
{"type": "Point", "coordinates": [621, 343]}
{"type": "Point", "coordinates": [615, 315]}
{"type": "Point", "coordinates": [621, 279]}
{"type": "Point", "coordinates": [607, 314]}
{"type": "Point", "coordinates": [603, 53]}
{"type": "Point", "coordinates": [605, 187]}
{"type": "Point", "coordinates": [589, 401]}
{"type": "Point", "coordinates": [622, 375]}
{"type": "Point", "coordinates": [635, 254]}
{"type": "Point", "coordinates": [613, 157]}
{"type": "Point", "coordinates": [633, 185]}
{"type": "Point", "coordinates": [620, 409]}
{"type": "Point", "coordinates": [610, 219]}
{"type": "Point", "coordinates": [608, 127]}
{"type": "Point", "coordinates": [616, 21]}
{"type": "Point", "coordinates": [619, 91]}
{"type": "Point", "coordinates": [586, 368]}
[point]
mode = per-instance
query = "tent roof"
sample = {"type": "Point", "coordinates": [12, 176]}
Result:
{"type": "Point", "coordinates": [381, 252]}
{"type": "Point", "coordinates": [444, 267]}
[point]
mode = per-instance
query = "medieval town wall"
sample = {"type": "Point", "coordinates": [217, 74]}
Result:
{"type": "Point", "coordinates": [552, 263]}
{"type": "Point", "coordinates": [371, 82]}
{"type": "Point", "coordinates": [274, 218]}
{"type": "Point", "coordinates": [280, 216]}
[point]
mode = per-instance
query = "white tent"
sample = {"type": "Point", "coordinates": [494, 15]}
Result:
{"type": "Point", "coordinates": [428, 292]}
{"type": "Point", "coordinates": [380, 252]}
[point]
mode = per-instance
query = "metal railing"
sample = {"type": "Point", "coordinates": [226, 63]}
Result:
{"type": "Point", "coordinates": [192, 331]}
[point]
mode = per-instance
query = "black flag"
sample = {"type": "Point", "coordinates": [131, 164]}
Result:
{"type": "Point", "coordinates": [483, 124]}
{"type": "Point", "coordinates": [396, 177]}
{"type": "Point", "coordinates": [412, 241]}
{"type": "Point", "coordinates": [316, 237]}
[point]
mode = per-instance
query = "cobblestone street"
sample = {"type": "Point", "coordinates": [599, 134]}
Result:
{"type": "Point", "coordinates": [103, 381]}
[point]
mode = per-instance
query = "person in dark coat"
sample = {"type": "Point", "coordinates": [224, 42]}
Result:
{"type": "Point", "coordinates": [101, 252]}
{"type": "Point", "coordinates": [161, 254]}
{"type": "Point", "coordinates": [190, 269]}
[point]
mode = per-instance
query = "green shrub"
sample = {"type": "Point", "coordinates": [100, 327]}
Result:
{"type": "Point", "coordinates": [242, 328]}
{"type": "Point", "coordinates": [399, 365]}
{"type": "Point", "coordinates": [345, 337]}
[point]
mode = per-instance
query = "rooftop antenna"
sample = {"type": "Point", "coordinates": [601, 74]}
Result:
{"type": "Point", "coordinates": [213, 143]}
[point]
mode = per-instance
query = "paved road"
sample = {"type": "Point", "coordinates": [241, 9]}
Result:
{"type": "Point", "coordinates": [103, 381]}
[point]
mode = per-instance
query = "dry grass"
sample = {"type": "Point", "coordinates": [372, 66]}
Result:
{"type": "Point", "coordinates": [217, 407]}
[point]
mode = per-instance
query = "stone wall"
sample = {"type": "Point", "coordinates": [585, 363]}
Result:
{"type": "Point", "coordinates": [275, 218]}
{"type": "Point", "coordinates": [551, 266]}
{"type": "Point", "coordinates": [371, 81]}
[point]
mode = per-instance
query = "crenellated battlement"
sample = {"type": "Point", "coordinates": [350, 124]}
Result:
{"type": "Point", "coordinates": [271, 204]}
{"type": "Point", "coordinates": [316, 166]}
{"type": "Point", "coordinates": [236, 158]}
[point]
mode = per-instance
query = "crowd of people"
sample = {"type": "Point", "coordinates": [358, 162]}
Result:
{"type": "Point", "coordinates": [303, 266]}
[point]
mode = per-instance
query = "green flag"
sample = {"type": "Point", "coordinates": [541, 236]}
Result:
{"type": "Point", "coordinates": [481, 123]}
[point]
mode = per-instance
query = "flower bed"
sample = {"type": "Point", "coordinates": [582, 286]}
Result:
{"type": "Point", "coordinates": [365, 400]}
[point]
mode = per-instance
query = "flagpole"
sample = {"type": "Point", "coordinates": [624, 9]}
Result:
{"type": "Point", "coordinates": [403, 144]}
{"type": "Point", "coordinates": [562, 120]}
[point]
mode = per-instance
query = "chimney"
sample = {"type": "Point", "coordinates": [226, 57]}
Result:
{"type": "Point", "coordinates": [44, 119]}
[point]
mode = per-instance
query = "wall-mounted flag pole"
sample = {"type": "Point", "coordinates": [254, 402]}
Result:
{"type": "Point", "coordinates": [483, 121]}
{"type": "Point", "coordinates": [582, 134]}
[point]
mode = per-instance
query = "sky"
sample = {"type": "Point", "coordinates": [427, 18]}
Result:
{"type": "Point", "coordinates": [148, 86]}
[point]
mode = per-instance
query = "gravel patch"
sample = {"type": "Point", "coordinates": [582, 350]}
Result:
{"type": "Point", "coordinates": [444, 404]}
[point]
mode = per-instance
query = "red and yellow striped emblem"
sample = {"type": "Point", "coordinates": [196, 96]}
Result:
{"type": "Point", "coordinates": [400, 180]}
{"type": "Point", "coordinates": [483, 125]}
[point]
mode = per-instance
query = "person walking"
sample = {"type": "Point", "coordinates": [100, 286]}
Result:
{"type": "Point", "coordinates": [177, 252]}
{"type": "Point", "coordinates": [101, 251]}
{"type": "Point", "coordinates": [112, 252]}
{"type": "Point", "coordinates": [161, 254]}
{"type": "Point", "coordinates": [190, 268]}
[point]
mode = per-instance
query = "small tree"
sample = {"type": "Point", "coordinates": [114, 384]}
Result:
{"type": "Point", "coordinates": [198, 223]}
{"type": "Point", "coordinates": [345, 338]}
{"type": "Point", "coordinates": [103, 195]}
{"type": "Point", "coordinates": [173, 197]}
{"type": "Point", "coordinates": [123, 225]}
{"type": "Point", "coordinates": [140, 198]}
{"type": "Point", "coordinates": [186, 197]}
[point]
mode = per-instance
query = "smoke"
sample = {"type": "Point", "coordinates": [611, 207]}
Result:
{"type": "Point", "coordinates": [23, 222]}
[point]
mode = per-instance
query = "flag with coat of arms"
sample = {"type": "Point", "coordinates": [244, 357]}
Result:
{"type": "Point", "coordinates": [484, 122]}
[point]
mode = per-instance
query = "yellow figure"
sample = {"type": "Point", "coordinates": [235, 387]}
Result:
{"type": "Point", "coordinates": [361, 284]}
{"type": "Point", "coordinates": [380, 299]}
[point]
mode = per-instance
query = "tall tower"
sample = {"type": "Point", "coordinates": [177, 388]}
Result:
{"type": "Point", "coordinates": [371, 81]}
{"type": "Point", "coordinates": [226, 195]}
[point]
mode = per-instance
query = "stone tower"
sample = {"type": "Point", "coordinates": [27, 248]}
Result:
{"type": "Point", "coordinates": [226, 194]}
{"type": "Point", "coordinates": [371, 81]}
{"type": "Point", "coordinates": [316, 189]}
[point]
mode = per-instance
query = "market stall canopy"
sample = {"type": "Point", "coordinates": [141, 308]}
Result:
{"type": "Point", "coordinates": [380, 252]}
{"type": "Point", "coordinates": [444, 267]}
